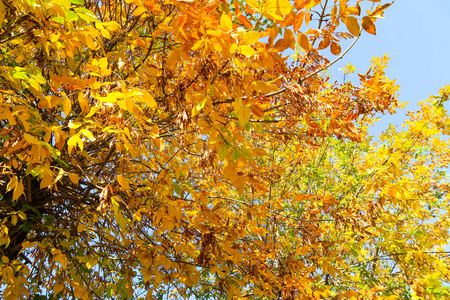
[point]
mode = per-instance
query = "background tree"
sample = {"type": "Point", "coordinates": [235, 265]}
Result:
{"type": "Point", "coordinates": [151, 148]}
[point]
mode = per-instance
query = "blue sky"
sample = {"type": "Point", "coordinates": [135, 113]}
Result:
{"type": "Point", "coordinates": [416, 36]}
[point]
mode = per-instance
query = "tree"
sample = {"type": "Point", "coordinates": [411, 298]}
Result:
{"type": "Point", "coordinates": [153, 148]}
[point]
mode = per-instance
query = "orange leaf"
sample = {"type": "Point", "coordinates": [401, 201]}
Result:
{"type": "Point", "coordinates": [303, 41]}
{"type": "Point", "coordinates": [307, 18]}
{"type": "Point", "coordinates": [353, 26]}
{"type": "Point", "coordinates": [335, 48]}
{"type": "Point", "coordinates": [245, 22]}
{"type": "Point", "coordinates": [324, 43]}
{"type": "Point", "coordinates": [74, 178]}
{"type": "Point", "coordinates": [46, 181]}
{"type": "Point", "coordinates": [298, 21]}
{"type": "Point", "coordinates": [237, 10]}
{"type": "Point", "coordinates": [272, 35]}
{"type": "Point", "coordinates": [380, 9]}
{"type": "Point", "coordinates": [257, 111]}
{"type": "Point", "coordinates": [368, 25]}
{"type": "Point", "coordinates": [123, 182]}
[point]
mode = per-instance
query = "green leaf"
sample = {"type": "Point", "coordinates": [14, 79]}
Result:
{"type": "Point", "coordinates": [20, 75]}
{"type": "Point", "coordinates": [86, 14]}
{"type": "Point", "coordinates": [176, 188]}
{"type": "Point", "coordinates": [71, 16]}
{"type": "Point", "coordinates": [235, 154]}
{"type": "Point", "coordinates": [26, 227]}
{"type": "Point", "coordinates": [224, 150]}
{"type": "Point", "coordinates": [60, 20]}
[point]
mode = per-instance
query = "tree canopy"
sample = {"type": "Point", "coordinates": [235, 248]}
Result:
{"type": "Point", "coordinates": [194, 149]}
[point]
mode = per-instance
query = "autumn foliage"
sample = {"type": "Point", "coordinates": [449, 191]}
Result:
{"type": "Point", "coordinates": [195, 149]}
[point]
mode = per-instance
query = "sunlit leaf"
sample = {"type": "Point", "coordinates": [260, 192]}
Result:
{"type": "Point", "coordinates": [352, 25]}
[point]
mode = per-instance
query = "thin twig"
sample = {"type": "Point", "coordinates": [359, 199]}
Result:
{"type": "Point", "coordinates": [272, 211]}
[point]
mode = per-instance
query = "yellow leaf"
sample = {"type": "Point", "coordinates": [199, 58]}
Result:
{"type": "Point", "coordinates": [123, 182]}
{"type": "Point", "coordinates": [198, 44]}
{"type": "Point", "coordinates": [214, 32]}
{"type": "Point", "coordinates": [352, 25]}
{"type": "Point", "coordinates": [57, 288]}
{"type": "Point", "coordinates": [353, 10]}
{"type": "Point", "coordinates": [12, 184]}
{"type": "Point", "coordinates": [244, 115]}
{"type": "Point", "coordinates": [52, 101]}
{"type": "Point", "coordinates": [155, 131]}
{"type": "Point", "coordinates": [158, 279]}
{"type": "Point", "coordinates": [30, 139]}
{"type": "Point", "coordinates": [121, 220]}
{"type": "Point", "coordinates": [225, 23]}
{"type": "Point", "coordinates": [105, 33]}
{"type": "Point", "coordinates": [259, 151]}
{"type": "Point", "coordinates": [250, 37]}
{"type": "Point", "coordinates": [237, 105]}
{"type": "Point", "coordinates": [26, 245]}
{"type": "Point", "coordinates": [73, 141]}
{"type": "Point", "coordinates": [84, 105]}
{"type": "Point", "coordinates": [161, 144]}
{"type": "Point", "coordinates": [92, 111]}
{"type": "Point", "coordinates": [62, 259]}
{"type": "Point", "coordinates": [22, 215]}
{"type": "Point", "coordinates": [279, 6]}
{"type": "Point", "coordinates": [217, 47]}
{"type": "Point", "coordinates": [246, 50]}
{"type": "Point", "coordinates": [378, 288]}
{"type": "Point", "coordinates": [14, 219]}
{"type": "Point", "coordinates": [146, 273]}
{"type": "Point", "coordinates": [112, 26]}
{"type": "Point", "coordinates": [67, 106]}
{"type": "Point", "coordinates": [129, 103]}
{"type": "Point", "coordinates": [139, 11]}
{"type": "Point", "coordinates": [303, 41]}
{"type": "Point", "coordinates": [74, 125]}
{"type": "Point", "coordinates": [18, 191]}
{"type": "Point", "coordinates": [5, 259]}
{"type": "Point", "coordinates": [87, 134]}
{"type": "Point", "coordinates": [46, 181]}
{"type": "Point", "coordinates": [79, 292]}
{"type": "Point", "coordinates": [368, 25]}
{"type": "Point", "coordinates": [253, 3]}
{"type": "Point", "coordinates": [2, 13]}
{"type": "Point", "coordinates": [74, 178]}
{"type": "Point", "coordinates": [110, 97]}
{"type": "Point", "coordinates": [233, 48]}
{"type": "Point", "coordinates": [351, 294]}
{"type": "Point", "coordinates": [91, 263]}
{"type": "Point", "coordinates": [103, 63]}
{"type": "Point", "coordinates": [90, 43]}
{"type": "Point", "coordinates": [311, 4]}
{"type": "Point", "coordinates": [80, 228]}
{"type": "Point", "coordinates": [148, 99]}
